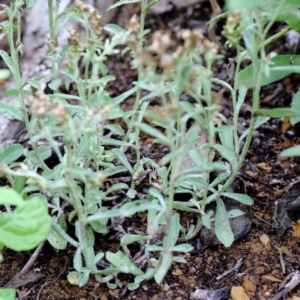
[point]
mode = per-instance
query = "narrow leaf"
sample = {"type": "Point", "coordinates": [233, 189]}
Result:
{"type": "Point", "coordinates": [222, 225]}
{"type": "Point", "coordinates": [294, 151]}
{"type": "Point", "coordinates": [11, 154]}
{"type": "Point", "coordinates": [12, 110]}
{"type": "Point", "coordinates": [278, 112]}
{"type": "Point", "coordinates": [290, 64]}
{"type": "Point", "coordinates": [239, 197]}
{"type": "Point", "coordinates": [113, 28]}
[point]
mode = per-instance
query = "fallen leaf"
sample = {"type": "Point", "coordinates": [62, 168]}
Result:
{"type": "Point", "coordinates": [296, 228]}
{"type": "Point", "coordinates": [264, 167]}
{"type": "Point", "coordinates": [265, 240]}
{"type": "Point", "coordinates": [286, 124]}
{"type": "Point", "coordinates": [249, 287]}
{"type": "Point", "coordinates": [177, 272]}
{"type": "Point", "coordinates": [286, 251]}
{"type": "Point", "coordinates": [238, 293]}
{"type": "Point", "coordinates": [269, 278]}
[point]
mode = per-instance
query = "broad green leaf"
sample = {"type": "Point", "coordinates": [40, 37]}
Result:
{"type": "Point", "coordinates": [294, 151]}
{"type": "Point", "coordinates": [7, 294]}
{"type": "Point", "coordinates": [123, 262]}
{"type": "Point", "coordinates": [10, 196]}
{"type": "Point", "coordinates": [113, 28]}
{"type": "Point", "coordinates": [131, 238]}
{"type": "Point", "coordinates": [239, 197]}
{"type": "Point", "coordinates": [11, 154]}
{"type": "Point", "coordinates": [12, 110]}
{"type": "Point", "coordinates": [4, 74]}
{"type": "Point", "coordinates": [222, 225]}
{"type": "Point", "coordinates": [278, 112]}
{"type": "Point", "coordinates": [242, 4]}
{"type": "Point", "coordinates": [122, 2]}
{"type": "Point", "coordinates": [27, 226]}
{"type": "Point", "coordinates": [280, 67]}
{"type": "Point", "coordinates": [296, 106]}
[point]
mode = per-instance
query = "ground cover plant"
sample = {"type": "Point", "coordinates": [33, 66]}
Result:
{"type": "Point", "coordinates": [91, 148]}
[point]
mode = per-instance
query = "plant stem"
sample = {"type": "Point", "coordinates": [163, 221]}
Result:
{"type": "Point", "coordinates": [18, 80]}
{"type": "Point", "coordinates": [138, 92]}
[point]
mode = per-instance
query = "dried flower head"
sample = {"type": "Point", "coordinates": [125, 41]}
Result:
{"type": "Point", "coordinates": [106, 110]}
{"type": "Point", "coordinates": [60, 112]}
{"type": "Point", "coordinates": [38, 104]}
{"type": "Point", "coordinates": [161, 42]}
{"type": "Point", "coordinates": [232, 28]}
{"type": "Point", "coordinates": [73, 40]}
{"type": "Point", "coordinates": [133, 26]}
{"type": "Point", "coordinates": [191, 38]}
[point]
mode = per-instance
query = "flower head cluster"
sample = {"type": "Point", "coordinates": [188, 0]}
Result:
{"type": "Point", "coordinates": [232, 28]}
{"type": "Point", "coordinates": [40, 104]}
{"type": "Point", "coordinates": [95, 17]}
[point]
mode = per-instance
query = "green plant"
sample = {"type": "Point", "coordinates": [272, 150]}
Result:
{"type": "Point", "coordinates": [89, 157]}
